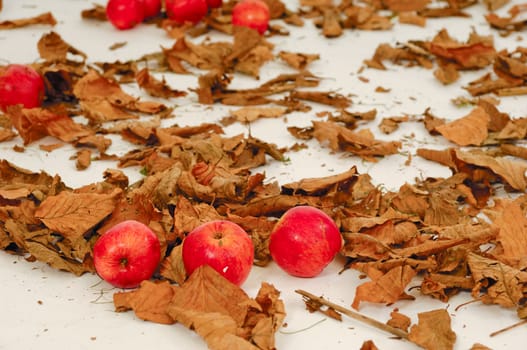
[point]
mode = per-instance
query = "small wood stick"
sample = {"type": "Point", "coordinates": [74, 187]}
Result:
{"type": "Point", "coordinates": [355, 315]}
{"type": "Point", "coordinates": [517, 324]}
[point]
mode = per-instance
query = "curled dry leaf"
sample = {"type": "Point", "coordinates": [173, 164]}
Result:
{"type": "Point", "coordinates": [496, 282]}
{"type": "Point", "coordinates": [154, 87]}
{"type": "Point", "coordinates": [360, 143]}
{"type": "Point", "coordinates": [471, 129]}
{"type": "Point", "coordinates": [36, 123]}
{"type": "Point", "coordinates": [44, 18]}
{"type": "Point", "coordinates": [250, 114]}
{"type": "Point", "coordinates": [53, 48]}
{"type": "Point", "coordinates": [298, 60]}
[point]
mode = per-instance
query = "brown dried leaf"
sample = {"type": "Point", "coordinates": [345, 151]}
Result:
{"type": "Point", "coordinates": [73, 214]}
{"type": "Point", "coordinates": [36, 123]}
{"type": "Point", "coordinates": [511, 222]}
{"type": "Point", "coordinates": [250, 114]}
{"type": "Point", "coordinates": [385, 288]}
{"type": "Point", "coordinates": [83, 159]}
{"type": "Point", "coordinates": [399, 320]}
{"type": "Point", "coordinates": [433, 332]}
{"type": "Point", "coordinates": [368, 345]}
{"type": "Point", "coordinates": [104, 100]}
{"type": "Point", "coordinates": [298, 60]}
{"type": "Point", "coordinates": [172, 267]}
{"type": "Point", "coordinates": [471, 129]}
{"type": "Point", "coordinates": [496, 282]}
{"type": "Point", "coordinates": [512, 172]}
{"type": "Point", "coordinates": [478, 52]}
{"type": "Point", "coordinates": [98, 12]}
{"type": "Point", "coordinates": [206, 291]}
{"type": "Point", "coordinates": [328, 98]}
{"type": "Point", "coordinates": [154, 87]}
{"type": "Point", "coordinates": [406, 5]}
{"type": "Point", "coordinates": [361, 143]}
{"type": "Point", "coordinates": [53, 48]}
{"type": "Point", "coordinates": [412, 17]}
{"type": "Point", "coordinates": [42, 19]}
{"type": "Point", "coordinates": [149, 302]}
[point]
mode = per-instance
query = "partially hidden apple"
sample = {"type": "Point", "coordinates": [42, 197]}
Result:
{"type": "Point", "coordinates": [254, 14]}
{"type": "Point", "coordinates": [223, 245]}
{"type": "Point", "coordinates": [304, 241]}
{"type": "Point", "coordinates": [190, 11]}
{"type": "Point", "coordinates": [127, 254]}
{"type": "Point", "coordinates": [151, 8]}
{"type": "Point", "coordinates": [214, 3]}
{"type": "Point", "coordinates": [20, 84]}
{"type": "Point", "coordinates": [125, 14]}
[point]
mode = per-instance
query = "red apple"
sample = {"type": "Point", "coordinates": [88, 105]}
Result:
{"type": "Point", "coordinates": [127, 254]}
{"type": "Point", "coordinates": [125, 14]}
{"type": "Point", "coordinates": [251, 13]}
{"type": "Point", "coordinates": [304, 241]}
{"type": "Point", "coordinates": [224, 246]}
{"type": "Point", "coordinates": [151, 8]}
{"type": "Point", "coordinates": [214, 3]}
{"type": "Point", "coordinates": [182, 11]}
{"type": "Point", "coordinates": [20, 84]}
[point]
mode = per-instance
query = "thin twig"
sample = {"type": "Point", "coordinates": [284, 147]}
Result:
{"type": "Point", "coordinates": [355, 315]}
{"type": "Point", "coordinates": [305, 328]}
{"type": "Point", "coordinates": [503, 330]}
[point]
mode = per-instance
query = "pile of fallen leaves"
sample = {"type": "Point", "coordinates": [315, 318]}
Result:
{"type": "Point", "coordinates": [456, 232]}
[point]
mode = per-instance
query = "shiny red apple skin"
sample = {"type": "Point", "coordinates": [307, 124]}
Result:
{"type": "Point", "coordinates": [223, 245]}
{"type": "Point", "coordinates": [214, 3]}
{"type": "Point", "coordinates": [125, 14]}
{"type": "Point", "coordinates": [304, 241]}
{"type": "Point", "coordinates": [151, 8]}
{"type": "Point", "coordinates": [127, 254]}
{"type": "Point", "coordinates": [20, 84]}
{"type": "Point", "coordinates": [182, 11]}
{"type": "Point", "coordinates": [254, 14]}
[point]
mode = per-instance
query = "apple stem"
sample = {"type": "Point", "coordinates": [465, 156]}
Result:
{"type": "Point", "coordinates": [308, 297]}
{"type": "Point", "coordinates": [123, 262]}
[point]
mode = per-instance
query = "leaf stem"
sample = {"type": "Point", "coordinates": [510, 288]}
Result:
{"type": "Point", "coordinates": [355, 315]}
{"type": "Point", "coordinates": [503, 330]}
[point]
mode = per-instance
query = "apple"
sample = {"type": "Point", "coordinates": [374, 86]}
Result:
{"type": "Point", "coordinates": [127, 254]}
{"type": "Point", "coordinates": [221, 244]}
{"type": "Point", "coordinates": [20, 84]}
{"type": "Point", "coordinates": [182, 11]}
{"type": "Point", "coordinates": [254, 14]}
{"type": "Point", "coordinates": [125, 14]}
{"type": "Point", "coordinates": [151, 8]}
{"type": "Point", "coordinates": [214, 3]}
{"type": "Point", "coordinates": [304, 241]}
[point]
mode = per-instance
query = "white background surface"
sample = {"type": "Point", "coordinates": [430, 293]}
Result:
{"type": "Point", "coordinates": [41, 308]}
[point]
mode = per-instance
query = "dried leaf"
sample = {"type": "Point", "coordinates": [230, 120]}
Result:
{"type": "Point", "coordinates": [386, 288]}
{"type": "Point", "coordinates": [433, 332]}
{"type": "Point", "coordinates": [149, 302]}
{"type": "Point", "coordinates": [468, 130]}
{"type": "Point", "coordinates": [73, 214]}
{"type": "Point", "coordinates": [52, 47]}
{"type": "Point", "coordinates": [496, 282]}
{"type": "Point", "coordinates": [155, 87]}
{"type": "Point", "coordinates": [399, 320]}
{"type": "Point", "coordinates": [42, 19]}
{"type": "Point", "coordinates": [511, 222]}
